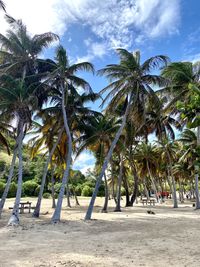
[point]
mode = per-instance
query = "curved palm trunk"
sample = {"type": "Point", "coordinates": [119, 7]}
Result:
{"type": "Point", "coordinates": [118, 205]}
{"type": "Point", "coordinates": [56, 215]}
{"type": "Point", "coordinates": [152, 181]}
{"type": "Point", "coordinates": [14, 219]}
{"type": "Point", "coordinates": [6, 190]}
{"type": "Point", "coordinates": [105, 206]}
{"type": "Point", "coordinates": [36, 212]}
{"type": "Point", "coordinates": [107, 159]}
{"type": "Point", "coordinates": [197, 173]}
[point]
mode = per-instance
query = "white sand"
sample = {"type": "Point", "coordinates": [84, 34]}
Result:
{"type": "Point", "coordinates": [131, 238]}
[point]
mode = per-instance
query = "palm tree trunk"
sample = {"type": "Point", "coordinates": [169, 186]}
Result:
{"type": "Point", "coordinates": [105, 206]}
{"type": "Point", "coordinates": [197, 173]}
{"type": "Point", "coordinates": [75, 196]}
{"type": "Point", "coordinates": [56, 215]}
{"type": "Point", "coordinates": [145, 189]}
{"type": "Point", "coordinates": [53, 188]}
{"type": "Point", "coordinates": [136, 180]}
{"type": "Point", "coordinates": [6, 190]}
{"type": "Point", "coordinates": [14, 219]}
{"type": "Point", "coordinates": [68, 197]}
{"type": "Point", "coordinates": [112, 181]}
{"type": "Point", "coordinates": [128, 202]}
{"type": "Point", "coordinates": [153, 183]}
{"type": "Point", "coordinates": [36, 212]}
{"type": "Point", "coordinates": [118, 206]}
{"type": "Point", "coordinates": [173, 181]}
{"type": "Point", "coordinates": [107, 159]}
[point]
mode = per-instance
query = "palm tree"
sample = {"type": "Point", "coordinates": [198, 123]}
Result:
{"type": "Point", "coordinates": [96, 136]}
{"type": "Point", "coordinates": [17, 102]}
{"type": "Point", "coordinates": [19, 50]}
{"type": "Point", "coordinates": [62, 76]}
{"type": "Point", "coordinates": [183, 77]}
{"type": "Point", "coordinates": [168, 151]}
{"type": "Point", "coordinates": [132, 80]}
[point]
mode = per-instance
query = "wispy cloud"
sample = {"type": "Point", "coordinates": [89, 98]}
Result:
{"type": "Point", "coordinates": [116, 23]}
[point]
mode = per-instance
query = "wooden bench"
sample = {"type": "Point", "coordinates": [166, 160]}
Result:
{"type": "Point", "coordinates": [150, 201]}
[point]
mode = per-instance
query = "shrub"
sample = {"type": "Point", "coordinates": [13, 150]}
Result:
{"type": "Point", "coordinates": [57, 187]}
{"type": "Point", "coordinates": [46, 195]}
{"type": "Point", "coordinates": [2, 187]}
{"type": "Point", "coordinates": [86, 191]}
{"type": "Point", "coordinates": [123, 191]}
{"type": "Point", "coordinates": [29, 188]}
{"type": "Point", "coordinates": [78, 189]}
{"type": "Point", "coordinates": [12, 190]}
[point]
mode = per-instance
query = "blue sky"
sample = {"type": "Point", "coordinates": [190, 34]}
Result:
{"type": "Point", "coordinates": [92, 29]}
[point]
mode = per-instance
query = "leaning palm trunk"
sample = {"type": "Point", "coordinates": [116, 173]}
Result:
{"type": "Point", "coordinates": [14, 219]}
{"type": "Point", "coordinates": [53, 188]}
{"type": "Point", "coordinates": [107, 159]}
{"type": "Point", "coordinates": [105, 206]}
{"type": "Point", "coordinates": [197, 173]}
{"type": "Point", "coordinates": [118, 205]}
{"type": "Point", "coordinates": [56, 215]}
{"type": "Point", "coordinates": [36, 212]}
{"type": "Point", "coordinates": [152, 181]}
{"type": "Point", "coordinates": [6, 190]}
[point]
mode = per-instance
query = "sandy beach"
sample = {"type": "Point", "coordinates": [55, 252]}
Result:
{"type": "Point", "coordinates": [130, 238]}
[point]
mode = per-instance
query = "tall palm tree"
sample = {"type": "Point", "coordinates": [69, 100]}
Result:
{"type": "Point", "coordinates": [19, 50]}
{"type": "Point", "coordinates": [130, 79]}
{"type": "Point", "coordinates": [183, 76]}
{"type": "Point", "coordinates": [62, 76]}
{"type": "Point", "coordinates": [168, 150]}
{"type": "Point", "coordinates": [96, 136]}
{"type": "Point", "coordinates": [17, 102]}
{"type": "Point", "coordinates": [146, 156]}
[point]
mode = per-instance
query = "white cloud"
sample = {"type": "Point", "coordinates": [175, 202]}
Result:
{"type": "Point", "coordinates": [95, 50]}
{"type": "Point", "coordinates": [192, 58]}
{"type": "Point", "coordinates": [84, 162]}
{"type": "Point", "coordinates": [115, 22]}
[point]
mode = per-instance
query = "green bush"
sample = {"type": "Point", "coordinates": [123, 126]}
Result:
{"type": "Point", "coordinates": [123, 191]}
{"type": "Point", "coordinates": [57, 187]}
{"type": "Point", "coordinates": [86, 191]}
{"type": "Point", "coordinates": [29, 188]}
{"type": "Point", "coordinates": [46, 195]}
{"type": "Point", "coordinates": [2, 187]}
{"type": "Point", "coordinates": [12, 190]}
{"type": "Point", "coordinates": [78, 189]}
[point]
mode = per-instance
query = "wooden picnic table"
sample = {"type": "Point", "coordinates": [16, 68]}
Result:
{"type": "Point", "coordinates": [150, 201]}
{"type": "Point", "coordinates": [24, 206]}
